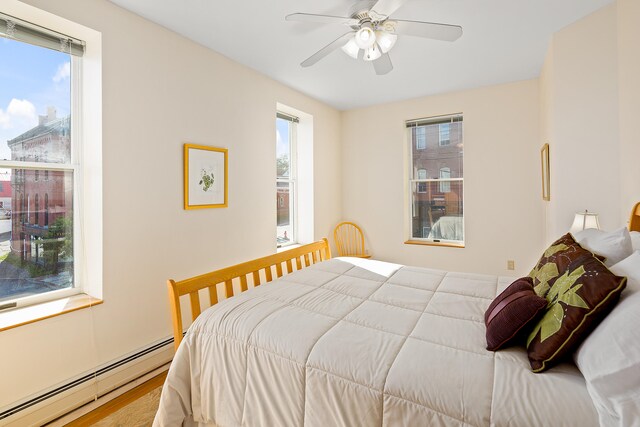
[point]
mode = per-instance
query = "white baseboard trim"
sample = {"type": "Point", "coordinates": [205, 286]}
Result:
{"type": "Point", "coordinates": [90, 390]}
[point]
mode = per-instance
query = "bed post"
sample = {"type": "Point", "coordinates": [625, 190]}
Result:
{"type": "Point", "coordinates": [176, 312]}
{"type": "Point", "coordinates": [327, 249]}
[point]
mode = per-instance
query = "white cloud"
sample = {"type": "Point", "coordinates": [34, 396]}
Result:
{"type": "Point", "coordinates": [63, 73]}
{"type": "Point", "coordinates": [19, 114]}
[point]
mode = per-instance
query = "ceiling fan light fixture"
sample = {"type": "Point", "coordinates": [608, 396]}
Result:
{"type": "Point", "coordinates": [386, 40]}
{"type": "Point", "coordinates": [372, 53]}
{"type": "Point", "coordinates": [351, 48]}
{"type": "Point", "coordinates": [365, 37]}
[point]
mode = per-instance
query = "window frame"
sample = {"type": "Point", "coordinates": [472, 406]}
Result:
{"type": "Point", "coordinates": [291, 180]}
{"type": "Point", "coordinates": [75, 168]}
{"type": "Point", "coordinates": [414, 182]}
{"type": "Point", "coordinates": [86, 168]}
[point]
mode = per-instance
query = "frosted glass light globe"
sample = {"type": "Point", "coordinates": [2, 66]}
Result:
{"type": "Point", "coordinates": [372, 53]}
{"type": "Point", "coordinates": [385, 40]}
{"type": "Point", "coordinates": [351, 48]}
{"type": "Point", "coordinates": [365, 38]}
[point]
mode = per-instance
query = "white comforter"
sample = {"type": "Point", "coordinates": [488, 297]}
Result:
{"type": "Point", "coordinates": [352, 342]}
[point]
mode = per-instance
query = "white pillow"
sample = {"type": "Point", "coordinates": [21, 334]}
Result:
{"type": "Point", "coordinates": [609, 358]}
{"type": "Point", "coordinates": [614, 245]}
{"type": "Point", "coordinates": [635, 240]}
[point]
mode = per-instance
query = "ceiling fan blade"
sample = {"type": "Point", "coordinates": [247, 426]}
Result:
{"type": "Point", "coordinates": [320, 19]}
{"type": "Point", "coordinates": [383, 64]}
{"type": "Point", "coordinates": [337, 43]}
{"type": "Point", "coordinates": [387, 7]}
{"type": "Point", "coordinates": [428, 30]}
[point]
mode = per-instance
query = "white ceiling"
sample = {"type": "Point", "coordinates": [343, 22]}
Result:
{"type": "Point", "coordinates": [503, 41]}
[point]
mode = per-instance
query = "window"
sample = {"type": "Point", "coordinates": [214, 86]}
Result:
{"type": "Point", "coordinates": [436, 201]}
{"type": "Point", "coordinates": [422, 186]}
{"type": "Point", "coordinates": [444, 131]}
{"type": "Point", "coordinates": [286, 196]}
{"type": "Point", "coordinates": [421, 138]}
{"type": "Point", "coordinates": [37, 130]}
{"type": "Point", "coordinates": [445, 184]}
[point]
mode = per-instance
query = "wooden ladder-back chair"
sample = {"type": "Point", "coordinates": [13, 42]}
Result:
{"type": "Point", "coordinates": [349, 240]}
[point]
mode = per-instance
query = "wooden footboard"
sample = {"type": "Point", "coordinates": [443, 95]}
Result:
{"type": "Point", "coordinates": [255, 272]}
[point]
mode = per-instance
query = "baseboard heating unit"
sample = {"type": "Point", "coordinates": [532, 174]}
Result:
{"type": "Point", "coordinates": [66, 397]}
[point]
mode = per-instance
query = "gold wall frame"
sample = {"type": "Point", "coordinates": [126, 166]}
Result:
{"type": "Point", "coordinates": [546, 183]}
{"type": "Point", "coordinates": [205, 177]}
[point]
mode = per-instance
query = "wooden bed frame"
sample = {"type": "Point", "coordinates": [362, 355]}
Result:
{"type": "Point", "coordinates": [254, 271]}
{"type": "Point", "coordinates": [634, 221]}
{"type": "Point", "coordinates": [248, 272]}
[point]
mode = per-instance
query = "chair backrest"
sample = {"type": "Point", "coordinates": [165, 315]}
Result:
{"type": "Point", "coordinates": [349, 239]}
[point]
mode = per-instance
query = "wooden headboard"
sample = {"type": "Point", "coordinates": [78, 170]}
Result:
{"type": "Point", "coordinates": [251, 272]}
{"type": "Point", "coordinates": [634, 221]}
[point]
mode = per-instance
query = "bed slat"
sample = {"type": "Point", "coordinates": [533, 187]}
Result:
{"type": "Point", "coordinates": [228, 289]}
{"type": "Point", "coordinates": [194, 298]}
{"type": "Point", "coordinates": [213, 294]}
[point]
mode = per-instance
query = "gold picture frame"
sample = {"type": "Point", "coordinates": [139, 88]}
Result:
{"type": "Point", "coordinates": [546, 183]}
{"type": "Point", "coordinates": [205, 177]}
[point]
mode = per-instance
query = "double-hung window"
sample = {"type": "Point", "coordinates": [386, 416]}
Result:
{"type": "Point", "coordinates": [436, 180]}
{"type": "Point", "coordinates": [286, 179]}
{"type": "Point", "coordinates": [39, 162]}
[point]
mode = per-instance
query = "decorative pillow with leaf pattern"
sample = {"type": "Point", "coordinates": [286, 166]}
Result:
{"type": "Point", "coordinates": [554, 262]}
{"type": "Point", "coordinates": [580, 291]}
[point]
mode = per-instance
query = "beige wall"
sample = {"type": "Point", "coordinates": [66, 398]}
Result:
{"type": "Point", "coordinates": [590, 104]}
{"type": "Point", "coordinates": [579, 90]}
{"type": "Point", "coordinates": [629, 101]}
{"type": "Point", "coordinates": [160, 90]}
{"type": "Point", "coordinates": [501, 172]}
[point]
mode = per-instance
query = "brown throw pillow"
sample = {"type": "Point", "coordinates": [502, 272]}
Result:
{"type": "Point", "coordinates": [555, 261]}
{"type": "Point", "coordinates": [580, 291]}
{"type": "Point", "coordinates": [511, 311]}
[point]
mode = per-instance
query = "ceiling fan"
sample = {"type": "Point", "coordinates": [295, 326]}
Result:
{"type": "Point", "coordinates": [373, 32]}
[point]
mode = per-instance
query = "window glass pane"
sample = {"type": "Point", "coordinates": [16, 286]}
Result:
{"type": "Point", "coordinates": [435, 156]}
{"type": "Point", "coordinates": [36, 232]}
{"type": "Point", "coordinates": [35, 103]}
{"type": "Point", "coordinates": [437, 214]}
{"type": "Point", "coordinates": [283, 148]}
{"type": "Point", "coordinates": [284, 205]}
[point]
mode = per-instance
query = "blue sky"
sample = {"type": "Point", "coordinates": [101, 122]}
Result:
{"type": "Point", "coordinates": [31, 79]}
{"type": "Point", "coordinates": [282, 137]}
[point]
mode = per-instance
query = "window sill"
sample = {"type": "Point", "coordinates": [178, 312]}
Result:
{"type": "Point", "coordinates": [286, 248]}
{"type": "Point", "coordinates": [33, 313]}
{"type": "Point", "coordinates": [431, 243]}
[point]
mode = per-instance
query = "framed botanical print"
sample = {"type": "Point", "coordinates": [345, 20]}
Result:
{"type": "Point", "coordinates": [205, 177]}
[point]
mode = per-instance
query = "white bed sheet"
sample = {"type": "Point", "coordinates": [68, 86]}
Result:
{"type": "Point", "coordinates": [352, 342]}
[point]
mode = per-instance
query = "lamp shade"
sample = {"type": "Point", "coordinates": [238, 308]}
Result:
{"type": "Point", "coordinates": [351, 48]}
{"type": "Point", "coordinates": [584, 220]}
{"type": "Point", "coordinates": [365, 37]}
{"type": "Point", "coordinates": [372, 53]}
{"type": "Point", "coordinates": [385, 40]}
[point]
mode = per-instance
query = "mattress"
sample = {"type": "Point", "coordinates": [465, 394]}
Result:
{"type": "Point", "coordinates": [353, 342]}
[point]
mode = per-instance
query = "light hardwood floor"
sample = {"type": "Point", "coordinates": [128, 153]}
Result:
{"type": "Point", "coordinates": [135, 408]}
